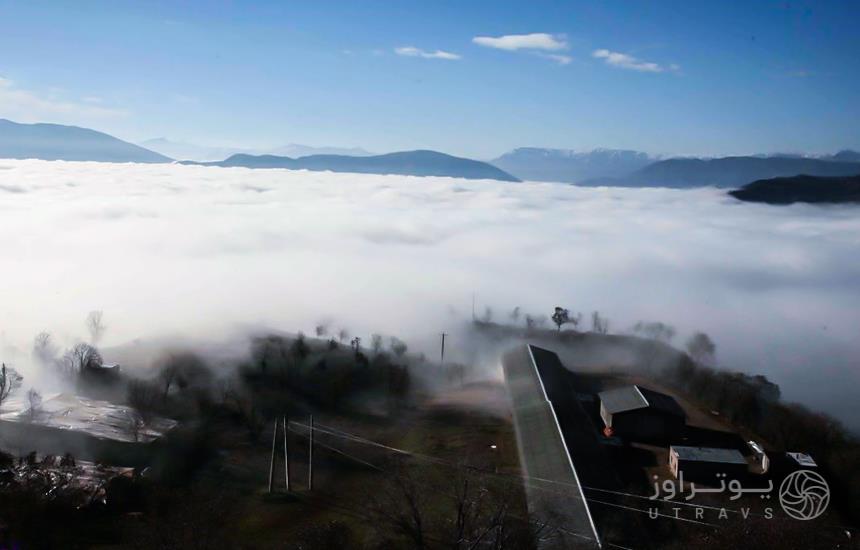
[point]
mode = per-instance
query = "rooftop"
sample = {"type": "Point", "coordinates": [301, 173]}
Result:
{"type": "Point", "coordinates": [708, 454]}
{"type": "Point", "coordinates": [101, 419]}
{"type": "Point", "coordinates": [803, 459]}
{"type": "Point", "coordinates": [631, 398]}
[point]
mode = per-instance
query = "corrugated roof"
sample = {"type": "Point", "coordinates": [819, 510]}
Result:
{"type": "Point", "coordinates": [708, 454]}
{"type": "Point", "coordinates": [631, 398]}
{"type": "Point", "coordinates": [803, 459]}
{"type": "Point", "coordinates": [628, 398]}
{"type": "Point", "coordinates": [100, 419]}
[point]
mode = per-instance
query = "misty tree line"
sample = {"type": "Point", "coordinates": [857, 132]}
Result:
{"type": "Point", "coordinates": [560, 316]}
{"type": "Point", "coordinates": [69, 366]}
{"type": "Point", "coordinates": [331, 372]}
{"type": "Point", "coordinates": [283, 375]}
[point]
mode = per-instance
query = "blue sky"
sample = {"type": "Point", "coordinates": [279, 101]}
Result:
{"type": "Point", "coordinates": [457, 76]}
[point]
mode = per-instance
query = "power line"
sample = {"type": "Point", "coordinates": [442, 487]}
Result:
{"type": "Point", "coordinates": [316, 442]}
{"type": "Point", "coordinates": [359, 439]}
{"type": "Point", "coordinates": [344, 435]}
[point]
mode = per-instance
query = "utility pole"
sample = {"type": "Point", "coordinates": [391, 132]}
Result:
{"type": "Point", "coordinates": [311, 453]}
{"type": "Point", "coordinates": [286, 456]}
{"type": "Point", "coordinates": [442, 353]}
{"type": "Point", "coordinates": [272, 461]}
{"type": "Point", "coordinates": [473, 307]}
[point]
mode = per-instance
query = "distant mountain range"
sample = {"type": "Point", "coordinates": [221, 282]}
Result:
{"type": "Point", "coordinates": [57, 142]}
{"type": "Point", "coordinates": [608, 167]}
{"type": "Point", "coordinates": [842, 156]}
{"type": "Point", "coordinates": [622, 168]}
{"type": "Point", "coordinates": [189, 151]}
{"type": "Point", "coordinates": [408, 163]}
{"type": "Point", "coordinates": [729, 171]}
{"type": "Point", "coordinates": [801, 189]}
{"type": "Point", "coordinates": [296, 150]}
{"type": "Point", "coordinates": [202, 153]}
{"type": "Point", "coordinates": [565, 165]}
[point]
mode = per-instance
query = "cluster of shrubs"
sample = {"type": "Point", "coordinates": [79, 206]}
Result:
{"type": "Point", "coordinates": [326, 375]}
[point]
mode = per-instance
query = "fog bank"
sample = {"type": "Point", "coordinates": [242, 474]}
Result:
{"type": "Point", "coordinates": [198, 251]}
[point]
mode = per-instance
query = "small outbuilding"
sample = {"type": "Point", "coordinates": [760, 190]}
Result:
{"type": "Point", "coordinates": [704, 463]}
{"type": "Point", "coordinates": [637, 413]}
{"type": "Point", "coordinates": [783, 464]}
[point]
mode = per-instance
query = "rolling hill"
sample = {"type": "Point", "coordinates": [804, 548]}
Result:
{"type": "Point", "coordinates": [801, 189]}
{"type": "Point", "coordinates": [58, 142]}
{"type": "Point", "coordinates": [730, 171]}
{"type": "Point", "coordinates": [407, 163]}
{"type": "Point", "coordinates": [564, 165]}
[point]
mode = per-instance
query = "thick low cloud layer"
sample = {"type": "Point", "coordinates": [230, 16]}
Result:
{"type": "Point", "coordinates": [168, 249]}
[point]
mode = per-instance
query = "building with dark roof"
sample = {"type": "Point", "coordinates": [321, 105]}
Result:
{"type": "Point", "coordinates": [638, 413]}
{"type": "Point", "coordinates": [704, 463]}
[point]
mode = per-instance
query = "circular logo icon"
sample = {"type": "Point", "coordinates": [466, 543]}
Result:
{"type": "Point", "coordinates": [804, 494]}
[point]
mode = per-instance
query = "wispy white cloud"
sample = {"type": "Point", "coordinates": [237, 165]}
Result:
{"type": "Point", "coordinates": [29, 106]}
{"type": "Point", "coordinates": [533, 41]}
{"type": "Point", "coordinates": [625, 61]}
{"type": "Point", "coordinates": [558, 58]}
{"type": "Point", "coordinates": [412, 51]}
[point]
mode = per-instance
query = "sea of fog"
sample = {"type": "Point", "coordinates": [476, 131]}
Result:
{"type": "Point", "coordinates": [201, 251]}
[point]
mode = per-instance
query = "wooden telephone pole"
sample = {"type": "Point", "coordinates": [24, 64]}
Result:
{"type": "Point", "coordinates": [286, 455]}
{"type": "Point", "coordinates": [311, 453]}
{"type": "Point", "coordinates": [272, 460]}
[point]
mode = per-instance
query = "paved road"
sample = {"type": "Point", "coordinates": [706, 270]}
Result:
{"type": "Point", "coordinates": [555, 498]}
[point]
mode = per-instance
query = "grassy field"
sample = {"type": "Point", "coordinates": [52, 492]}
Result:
{"type": "Point", "coordinates": [350, 477]}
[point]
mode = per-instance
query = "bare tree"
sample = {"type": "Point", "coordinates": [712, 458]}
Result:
{"type": "Point", "coordinates": [145, 397]}
{"type": "Point", "coordinates": [560, 317]}
{"type": "Point", "coordinates": [82, 356]}
{"type": "Point", "coordinates": [599, 324]}
{"type": "Point", "coordinates": [515, 315]}
{"type": "Point", "coordinates": [655, 330]}
{"type": "Point", "coordinates": [186, 370]}
{"type": "Point", "coordinates": [342, 335]}
{"type": "Point", "coordinates": [463, 511]}
{"type": "Point", "coordinates": [167, 376]}
{"type": "Point", "coordinates": [321, 330]}
{"type": "Point", "coordinates": [9, 381]}
{"type": "Point", "coordinates": [95, 326]}
{"type": "Point", "coordinates": [488, 315]}
{"type": "Point", "coordinates": [376, 343]}
{"type": "Point", "coordinates": [356, 344]}
{"type": "Point", "coordinates": [398, 347]}
{"type": "Point", "coordinates": [702, 349]}
{"type": "Point", "coordinates": [245, 409]}
{"type": "Point", "coordinates": [135, 425]}
{"type": "Point", "coordinates": [402, 507]}
{"type": "Point", "coordinates": [44, 349]}
{"type": "Point", "coordinates": [34, 403]}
